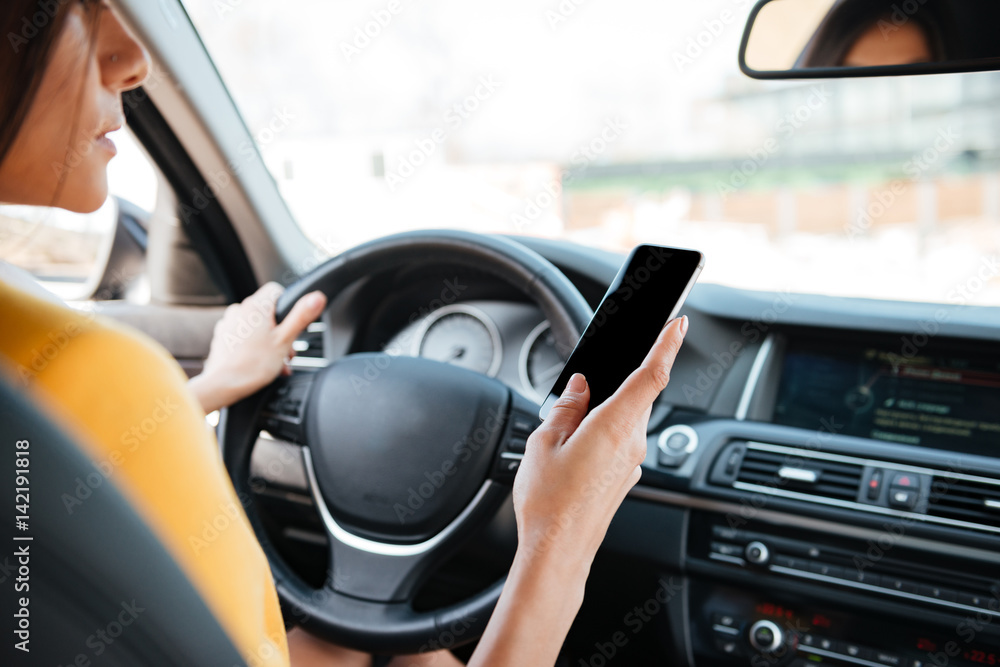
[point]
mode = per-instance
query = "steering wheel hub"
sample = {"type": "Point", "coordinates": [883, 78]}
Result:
{"type": "Point", "coordinates": [401, 444]}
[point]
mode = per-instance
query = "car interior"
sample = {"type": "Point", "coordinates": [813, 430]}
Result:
{"type": "Point", "coordinates": [822, 480]}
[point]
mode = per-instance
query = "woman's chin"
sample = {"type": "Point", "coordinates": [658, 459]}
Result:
{"type": "Point", "coordinates": [84, 199]}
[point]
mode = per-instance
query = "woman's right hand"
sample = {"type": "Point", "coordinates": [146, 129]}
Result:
{"type": "Point", "coordinates": [576, 472]}
{"type": "Point", "coordinates": [578, 468]}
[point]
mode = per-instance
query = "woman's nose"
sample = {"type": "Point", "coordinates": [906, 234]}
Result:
{"type": "Point", "coordinates": [124, 61]}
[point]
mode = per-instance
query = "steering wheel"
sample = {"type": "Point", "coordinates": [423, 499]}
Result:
{"type": "Point", "coordinates": [405, 457]}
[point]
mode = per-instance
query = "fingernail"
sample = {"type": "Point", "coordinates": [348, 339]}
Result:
{"type": "Point", "coordinates": [576, 384]}
{"type": "Point", "coordinates": [684, 325]}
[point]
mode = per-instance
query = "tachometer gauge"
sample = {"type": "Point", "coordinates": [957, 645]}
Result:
{"type": "Point", "coordinates": [541, 362]}
{"type": "Point", "coordinates": [462, 336]}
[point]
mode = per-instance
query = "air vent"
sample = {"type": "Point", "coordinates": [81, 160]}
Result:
{"type": "Point", "coordinates": [309, 347]}
{"type": "Point", "coordinates": [965, 500]}
{"type": "Point", "coordinates": [801, 474]}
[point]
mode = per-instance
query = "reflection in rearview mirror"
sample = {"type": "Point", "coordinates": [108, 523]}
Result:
{"type": "Point", "coordinates": [788, 38]}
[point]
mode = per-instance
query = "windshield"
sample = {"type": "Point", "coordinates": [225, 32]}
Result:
{"type": "Point", "coordinates": [611, 124]}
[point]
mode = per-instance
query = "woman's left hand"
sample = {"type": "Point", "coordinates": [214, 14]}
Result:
{"type": "Point", "coordinates": [249, 349]}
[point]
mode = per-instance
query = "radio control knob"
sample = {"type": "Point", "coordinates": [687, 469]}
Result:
{"type": "Point", "coordinates": [757, 553]}
{"type": "Point", "coordinates": [766, 636]}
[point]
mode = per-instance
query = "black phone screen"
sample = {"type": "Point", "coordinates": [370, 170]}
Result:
{"type": "Point", "coordinates": [646, 293]}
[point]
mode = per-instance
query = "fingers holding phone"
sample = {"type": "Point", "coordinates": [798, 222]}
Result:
{"type": "Point", "coordinates": [629, 407]}
{"type": "Point", "coordinates": [579, 467]}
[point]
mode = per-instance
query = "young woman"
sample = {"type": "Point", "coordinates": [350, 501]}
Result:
{"type": "Point", "coordinates": [60, 95]}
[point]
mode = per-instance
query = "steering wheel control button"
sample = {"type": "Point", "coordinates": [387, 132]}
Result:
{"type": "Point", "coordinates": [757, 553]}
{"type": "Point", "coordinates": [509, 464]}
{"type": "Point", "coordinates": [517, 445]}
{"type": "Point", "coordinates": [284, 411]}
{"type": "Point", "coordinates": [524, 425]}
{"type": "Point", "coordinates": [766, 637]}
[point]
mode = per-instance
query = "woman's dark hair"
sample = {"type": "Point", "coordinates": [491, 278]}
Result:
{"type": "Point", "coordinates": [29, 30]}
{"type": "Point", "coordinates": [847, 20]}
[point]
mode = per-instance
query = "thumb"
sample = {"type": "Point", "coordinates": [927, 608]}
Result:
{"type": "Point", "coordinates": [303, 313]}
{"type": "Point", "coordinates": [567, 412]}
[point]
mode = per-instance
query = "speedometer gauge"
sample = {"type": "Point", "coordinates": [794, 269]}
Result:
{"type": "Point", "coordinates": [541, 362]}
{"type": "Point", "coordinates": [462, 336]}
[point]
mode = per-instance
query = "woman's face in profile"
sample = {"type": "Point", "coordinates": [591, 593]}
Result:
{"type": "Point", "coordinates": [900, 45]}
{"type": "Point", "coordinates": [62, 139]}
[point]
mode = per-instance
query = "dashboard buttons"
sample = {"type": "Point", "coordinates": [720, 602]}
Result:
{"type": "Point", "coordinates": [757, 553]}
{"type": "Point", "coordinates": [826, 570]}
{"type": "Point", "coordinates": [905, 480]}
{"type": "Point", "coordinates": [972, 600]}
{"type": "Point", "coordinates": [904, 490]}
{"type": "Point", "coordinates": [724, 620]}
{"type": "Point", "coordinates": [875, 485]}
{"type": "Point", "coordinates": [726, 549]}
{"type": "Point", "coordinates": [938, 593]}
{"type": "Point", "coordinates": [733, 461]}
{"type": "Point", "coordinates": [902, 498]}
{"type": "Point", "coordinates": [852, 650]}
{"type": "Point", "coordinates": [897, 584]}
{"type": "Point", "coordinates": [885, 658]}
{"type": "Point", "coordinates": [675, 444]}
{"type": "Point", "coordinates": [766, 637]}
{"type": "Point", "coordinates": [727, 646]}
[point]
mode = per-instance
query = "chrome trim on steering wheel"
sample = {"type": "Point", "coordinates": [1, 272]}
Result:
{"type": "Point", "coordinates": [343, 536]}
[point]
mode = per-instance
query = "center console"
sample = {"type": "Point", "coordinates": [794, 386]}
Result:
{"type": "Point", "coordinates": [736, 627]}
{"type": "Point", "coordinates": [850, 513]}
{"type": "Point", "coordinates": [747, 607]}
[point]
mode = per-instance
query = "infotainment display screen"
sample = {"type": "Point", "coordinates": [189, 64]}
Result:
{"type": "Point", "coordinates": [903, 395]}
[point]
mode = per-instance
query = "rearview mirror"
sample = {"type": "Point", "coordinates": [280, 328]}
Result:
{"type": "Point", "coordinates": [798, 39]}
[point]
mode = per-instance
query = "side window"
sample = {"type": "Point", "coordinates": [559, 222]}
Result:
{"type": "Point", "coordinates": [89, 256]}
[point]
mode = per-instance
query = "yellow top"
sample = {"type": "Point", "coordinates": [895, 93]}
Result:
{"type": "Point", "coordinates": [126, 401]}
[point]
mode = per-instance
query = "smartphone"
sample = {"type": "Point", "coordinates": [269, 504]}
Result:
{"type": "Point", "coordinates": [647, 293]}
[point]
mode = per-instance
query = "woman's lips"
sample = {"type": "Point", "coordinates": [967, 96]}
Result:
{"type": "Point", "coordinates": [105, 143]}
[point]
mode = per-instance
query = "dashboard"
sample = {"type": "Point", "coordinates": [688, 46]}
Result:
{"type": "Point", "coordinates": [822, 481]}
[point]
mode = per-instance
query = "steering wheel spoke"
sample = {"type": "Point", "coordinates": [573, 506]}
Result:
{"type": "Point", "coordinates": [381, 571]}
